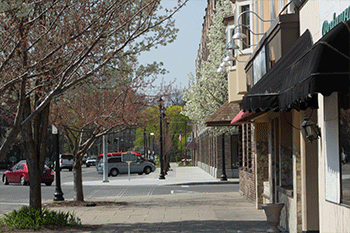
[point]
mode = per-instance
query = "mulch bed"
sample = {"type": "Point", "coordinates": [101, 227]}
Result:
{"type": "Point", "coordinates": [83, 204]}
{"type": "Point", "coordinates": [54, 229]}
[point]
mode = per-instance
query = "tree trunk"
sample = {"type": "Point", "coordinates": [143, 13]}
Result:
{"type": "Point", "coordinates": [78, 179]}
{"type": "Point", "coordinates": [35, 134]}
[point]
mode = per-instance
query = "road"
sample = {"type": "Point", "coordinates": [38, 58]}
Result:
{"type": "Point", "coordinates": [14, 195]}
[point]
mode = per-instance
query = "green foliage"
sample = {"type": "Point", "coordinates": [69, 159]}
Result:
{"type": "Point", "coordinates": [26, 217]}
{"type": "Point", "coordinates": [188, 164]}
{"type": "Point", "coordinates": [176, 122]}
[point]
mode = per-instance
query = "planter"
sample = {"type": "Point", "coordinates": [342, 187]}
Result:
{"type": "Point", "coordinates": [273, 212]}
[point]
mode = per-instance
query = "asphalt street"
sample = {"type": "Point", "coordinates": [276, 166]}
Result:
{"type": "Point", "coordinates": [13, 196]}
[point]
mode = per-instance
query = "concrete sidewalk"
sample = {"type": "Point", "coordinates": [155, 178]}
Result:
{"type": "Point", "coordinates": [176, 176]}
{"type": "Point", "coordinates": [196, 212]}
{"type": "Point", "coordinates": [183, 212]}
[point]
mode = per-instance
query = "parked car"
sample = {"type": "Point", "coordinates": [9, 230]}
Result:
{"type": "Point", "coordinates": [91, 161]}
{"type": "Point", "coordinates": [116, 166]}
{"type": "Point", "coordinates": [19, 174]}
{"type": "Point", "coordinates": [66, 162]}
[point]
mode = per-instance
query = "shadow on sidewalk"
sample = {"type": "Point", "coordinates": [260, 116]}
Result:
{"type": "Point", "coordinates": [189, 226]}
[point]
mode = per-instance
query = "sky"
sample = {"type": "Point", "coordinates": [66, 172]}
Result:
{"type": "Point", "coordinates": [179, 57]}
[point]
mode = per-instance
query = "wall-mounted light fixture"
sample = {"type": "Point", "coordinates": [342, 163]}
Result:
{"type": "Point", "coordinates": [312, 131]}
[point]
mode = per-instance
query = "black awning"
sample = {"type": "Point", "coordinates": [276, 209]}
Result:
{"type": "Point", "coordinates": [304, 71]}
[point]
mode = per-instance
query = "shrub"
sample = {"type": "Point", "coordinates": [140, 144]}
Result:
{"type": "Point", "coordinates": [26, 217]}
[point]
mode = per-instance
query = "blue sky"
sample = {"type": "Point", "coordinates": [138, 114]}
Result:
{"type": "Point", "coordinates": [179, 57]}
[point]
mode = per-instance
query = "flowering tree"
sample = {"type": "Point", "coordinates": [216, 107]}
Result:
{"type": "Point", "coordinates": [48, 47]}
{"type": "Point", "coordinates": [208, 90]}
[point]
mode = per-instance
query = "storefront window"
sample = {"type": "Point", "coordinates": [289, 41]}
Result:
{"type": "Point", "coordinates": [344, 123]}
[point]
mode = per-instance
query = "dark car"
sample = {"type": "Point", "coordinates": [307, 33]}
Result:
{"type": "Point", "coordinates": [19, 174]}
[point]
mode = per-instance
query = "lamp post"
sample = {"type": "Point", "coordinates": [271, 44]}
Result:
{"type": "Point", "coordinates": [161, 176]}
{"type": "Point", "coordinates": [58, 192]}
{"type": "Point", "coordinates": [149, 145]}
{"type": "Point", "coordinates": [105, 159]}
{"type": "Point", "coordinates": [144, 142]}
{"type": "Point", "coordinates": [223, 176]}
{"type": "Point", "coordinates": [152, 134]}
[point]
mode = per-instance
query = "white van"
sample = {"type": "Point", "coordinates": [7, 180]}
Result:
{"type": "Point", "coordinates": [116, 166]}
{"type": "Point", "coordinates": [66, 162]}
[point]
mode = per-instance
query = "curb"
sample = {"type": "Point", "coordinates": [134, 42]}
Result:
{"type": "Point", "coordinates": [204, 183]}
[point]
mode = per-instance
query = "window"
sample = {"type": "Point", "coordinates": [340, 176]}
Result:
{"type": "Point", "coordinates": [247, 153]}
{"type": "Point", "coordinates": [229, 34]}
{"type": "Point", "coordinates": [245, 20]}
{"type": "Point", "coordinates": [235, 146]}
{"type": "Point", "coordinates": [115, 160]}
{"type": "Point", "coordinates": [344, 137]}
{"type": "Point", "coordinates": [259, 65]}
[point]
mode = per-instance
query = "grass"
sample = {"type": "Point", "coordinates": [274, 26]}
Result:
{"type": "Point", "coordinates": [188, 164]}
{"type": "Point", "coordinates": [27, 218]}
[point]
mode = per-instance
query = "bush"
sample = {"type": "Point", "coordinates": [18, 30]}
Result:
{"type": "Point", "coordinates": [182, 164]}
{"type": "Point", "coordinates": [26, 217]}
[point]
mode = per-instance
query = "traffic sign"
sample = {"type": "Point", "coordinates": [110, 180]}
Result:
{"type": "Point", "coordinates": [128, 157]}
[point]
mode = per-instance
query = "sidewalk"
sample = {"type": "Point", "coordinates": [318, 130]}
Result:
{"type": "Point", "coordinates": [195, 212]}
{"type": "Point", "coordinates": [176, 176]}
{"type": "Point", "coordinates": [206, 212]}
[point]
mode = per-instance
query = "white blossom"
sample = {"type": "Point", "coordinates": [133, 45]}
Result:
{"type": "Point", "coordinates": [208, 90]}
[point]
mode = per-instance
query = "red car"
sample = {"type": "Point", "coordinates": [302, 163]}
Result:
{"type": "Point", "coordinates": [19, 174]}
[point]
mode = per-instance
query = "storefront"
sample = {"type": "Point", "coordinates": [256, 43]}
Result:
{"type": "Point", "coordinates": [308, 82]}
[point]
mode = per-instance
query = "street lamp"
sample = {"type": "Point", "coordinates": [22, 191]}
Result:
{"type": "Point", "coordinates": [144, 142]}
{"type": "Point", "coordinates": [312, 131]}
{"type": "Point", "coordinates": [223, 175]}
{"type": "Point", "coordinates": [161, 176]}
{"type": "Point", "coordinates": [152, 134]}
{"type": "Point", "coordinates": [58, 192]}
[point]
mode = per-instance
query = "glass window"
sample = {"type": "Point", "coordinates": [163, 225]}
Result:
{"type": "Point", "coordinates": [344, 123]}
{"type": "Point", "coordinates": [67, 157]}
{"type": "Point", "coordinates": [259, 65]}
{"type": "Point", "coordinates": [115, 160]}
{"type": "Point", "coordinates": [245, 29]}
{"type": "Point", "coordinates": [20, 167]}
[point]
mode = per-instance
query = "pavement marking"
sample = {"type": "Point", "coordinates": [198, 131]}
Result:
{"type": "Point", "coordinates": [93, 193]}
{"type": "Point", "coordinates": [121, 193]}
{"type": "Point", "coordinates": [150, 192]}
{"type": "Point", "coordinates": [9, 203]}
{"type": "Point", "coordinates": [185, 186]}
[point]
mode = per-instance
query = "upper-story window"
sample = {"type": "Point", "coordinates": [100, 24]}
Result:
{"type": "Point", "coordinates": [229, 34]}
{"type": "Point", "coordinates": [245, 30]}
{"type": "Point", "coordinates": [245, 19]}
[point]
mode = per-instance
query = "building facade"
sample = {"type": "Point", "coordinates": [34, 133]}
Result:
{"type": "Point", "coordinates": [298, 76]}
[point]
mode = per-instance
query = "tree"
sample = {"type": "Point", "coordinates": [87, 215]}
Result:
{"type": "Point", "coordinates": [48, 47]}
{"type": "Point", "coordinates": [208, 90]}
{"type": "Point", "coordinates": [86, 113]}
{"type": "Point", "coordinates": [174, 124]}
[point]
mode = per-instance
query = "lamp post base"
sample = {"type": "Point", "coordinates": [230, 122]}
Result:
{"type": "Point", "coordinates": [223, 177]}
{"type": "Point", "coordinates": [58, 195]}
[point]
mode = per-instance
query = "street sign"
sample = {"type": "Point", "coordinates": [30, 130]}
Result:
{"type": "Point", "coordinates": [128, 157]}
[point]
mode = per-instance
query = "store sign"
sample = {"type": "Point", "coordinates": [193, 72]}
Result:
{"type": "Point", "coordinates": [342, 17]}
